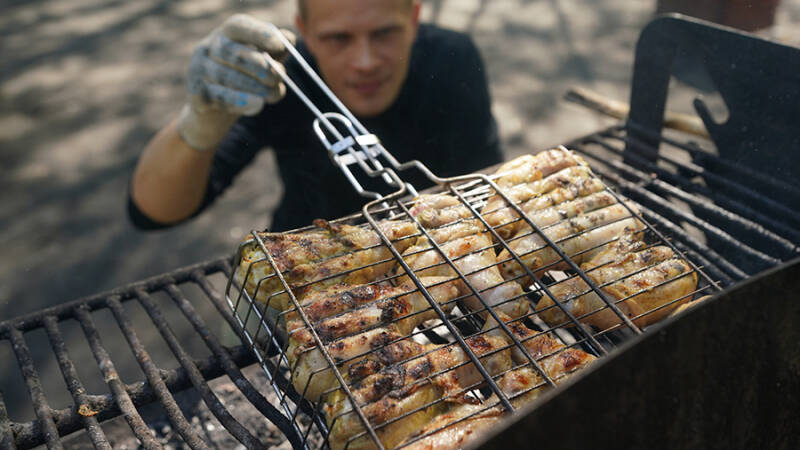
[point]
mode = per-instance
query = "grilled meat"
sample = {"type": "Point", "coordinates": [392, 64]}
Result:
{"type": "Point", "coordinates": [529, 168]}
{"type": "Point", "coordinates": [628, 242]}
{"type": "Point", "coordinates": [577, 237]}
{"type": "Point", "coordinates": [350, 334]}
{"type": "Point", "coordinates": [436, 210]}
{"type": "Point", "coordinates": [568, 184]}
{"type": "Point", "coordinates": [646, 279]}
{"type": "Point", "coordinates": [456, 428]}
{"type": "Point", "coordinates": [557, 360]}
{"type": "Point", "coordinates": [520, 179]}
{"type": "Point", "coordinates": [467, 243]}
{"type": "Point", "coordinates": [461, 424]}
{"type": "Point", "coordinates": [348, 252]}
{"type": "Point", "coordinates": [442, 371]}
{"type": "Point", "coordinates": [354, 356]}
{"type": "Point", "coordinates": [398, 305]}
{"type": "Point", "coordinates": [400, 384]}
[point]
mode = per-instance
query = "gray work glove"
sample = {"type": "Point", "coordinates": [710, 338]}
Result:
{"type": "Point", "coordinates": [229, 77]}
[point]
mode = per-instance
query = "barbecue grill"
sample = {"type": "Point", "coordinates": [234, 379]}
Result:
{"type": "Point", "coordinates": [728, 207]}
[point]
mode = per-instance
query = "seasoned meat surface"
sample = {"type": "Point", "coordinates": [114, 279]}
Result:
{"type": "Point", "coordinates": [364, 307]}
{"type": "Point", "coordinates": [328, 255]}
{"type": "Point", "coordinates": [652, 281]}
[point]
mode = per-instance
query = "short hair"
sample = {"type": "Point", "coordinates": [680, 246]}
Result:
{"type": "Point", "coordinates": [302, 7]}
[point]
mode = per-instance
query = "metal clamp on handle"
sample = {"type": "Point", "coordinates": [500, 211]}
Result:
{"type": "Point", "coordinates": [343, 150]}
{"type": "Point", "coordinates": [344, 154]}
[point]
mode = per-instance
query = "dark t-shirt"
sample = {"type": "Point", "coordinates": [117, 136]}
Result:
{"type": "Point", "coordinates": [441, 117]}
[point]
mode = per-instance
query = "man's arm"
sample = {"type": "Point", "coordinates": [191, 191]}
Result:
{"type": "Point", "coordinates": [229, 77]}
{"type": "Point", "coordinates": [170, 179]}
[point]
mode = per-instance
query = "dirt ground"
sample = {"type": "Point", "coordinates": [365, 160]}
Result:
{"type": "Point", "coordinates": [85, 83]}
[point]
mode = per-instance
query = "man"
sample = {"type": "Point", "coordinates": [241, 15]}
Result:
{"type": "Point", "coordinates": [422, 90]}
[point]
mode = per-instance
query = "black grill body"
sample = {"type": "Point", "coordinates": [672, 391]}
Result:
{"type": "Point", "coordinates": [724, 375]}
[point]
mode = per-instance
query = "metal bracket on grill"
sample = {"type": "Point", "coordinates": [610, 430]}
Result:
{"type": "Point", "coordinates": [753, 77]}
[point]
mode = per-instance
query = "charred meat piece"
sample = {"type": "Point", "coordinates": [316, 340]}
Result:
{"type": "Point", "coordinates": [352, 323]}
{"type": "Point", "coordinates": [529, 168]}
{"type": "Point", "coordinates": [577, 237]}
{"type": "Point", "coordinates": [467, 243]}
{"type": "Point", "coordinates": [327, 255]}
{"type": "Point", "coordinates": [400, 399]}
{"type": "Point", "coordinates": [463, 423]}
{"type": "Point", "coordinates": [568, 184]}
{"type": "Point", "coordinates": [653, 281]}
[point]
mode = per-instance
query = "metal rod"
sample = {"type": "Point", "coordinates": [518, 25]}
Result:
{"type": "Point", "coordinates": [320, 345]}
{"type": "Point", "coordinates": [247, 389]}
{"type": "Point", "coordinates": [30, 321]}
{"type": "Point", "coordinates": [748, 228]}
{"type": "Point", "coordinates": [729, 185]}
{"type": "Point", "coordinates": [174, 414]}
{"type": "Point", "coordinates": [34, 384]}
{"type": "Point", "coordinates": [6, 436]}
{"type": "Point", "coordinates": [216, 407]}
{"type": "Point", "coordinates": [115, 384]}
{"type": "Point", "coordinates": [698, 153]}
{"type": "Point", "coordinates": [74, 384]}
{"type": "Point", "coordinates": [742, 250]}
{"type": "Point", "coordinates": [701, 193]}
{"type": "Point", "coordinates": [283, 388]}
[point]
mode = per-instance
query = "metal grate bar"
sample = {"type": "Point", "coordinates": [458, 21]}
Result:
{"type": "Point", "coordinates": [679, 235]}
{"type": "Point", "coordinates": [174, 414]}
{"type": "Point", "coordinates": [117, 387]}
{"type": "Point", "coordinates": [6, 436]}
{"type": "Point", "coordinates": [703, 194]}
{"type": "Point", "coordinates": [319, 343]}
{"type": "Point", "coordinates": [741, 251]}
{"type": "Point", "coordinates": [32, 381]}
{"type": "Point", "coordinates": [31, 321]}
{"type": "Point", "coordinates": [700, 155]}
{"type": "Point", "coordinates": [778, 209]}
{"type": "Point", "coordinates": [244, 385]}
{"type": "Point", "coordinates": [141, 393]}
{"type": "Point", "coordinates": [734, 223]}
{"type": "Point", "coordinates": [439, 312]}
{"type": "Point", "coordinates": [283, 388]}
{"type": "Point", "coordinates": [218, 302]}
{"type": "Point", "coordinates": [74, 384]}
{"type": "Point", "coordinates": [214, 405]}
{"type": "Point", "coordinates": [709, 161]}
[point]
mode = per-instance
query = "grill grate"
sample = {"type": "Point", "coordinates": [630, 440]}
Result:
{"type": "Point", "coordinates": [717, 256]}
{"type": "Point", "coordinates": [127, 399]}
{"type": "Point", "coordinates": [472, 192]}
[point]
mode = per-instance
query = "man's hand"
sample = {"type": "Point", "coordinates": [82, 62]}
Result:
{"type": "Point", "coordinates": [229, 77]}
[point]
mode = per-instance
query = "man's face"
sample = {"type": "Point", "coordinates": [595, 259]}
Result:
{"type": "Point", "coordinates": [362, 48]}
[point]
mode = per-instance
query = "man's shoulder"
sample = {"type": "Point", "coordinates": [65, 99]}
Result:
{"type": "Point", "coordinates": [433, 40]}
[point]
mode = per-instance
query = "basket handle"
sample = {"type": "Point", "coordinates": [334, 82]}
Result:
{"type": "Point", "coordinates": [354, 146]}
